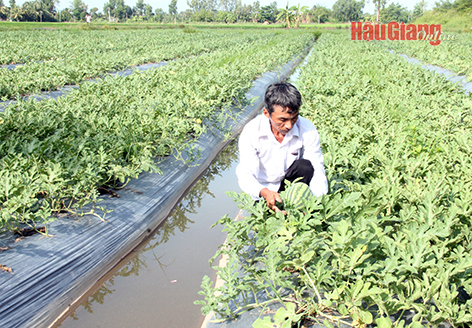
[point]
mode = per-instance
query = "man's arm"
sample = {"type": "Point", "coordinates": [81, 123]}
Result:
{"type": "Point", "coordinates": [271, 197]}
{"type": "Point", "coordinates": [248, 171]}
{"type": "Point", "coordinates": [312, 152]}
{"type": "Point", "coordinates": [248, 167]}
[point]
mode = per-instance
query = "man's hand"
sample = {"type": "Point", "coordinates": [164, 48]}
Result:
{"type": "Point", "coordinates": [271, 197]}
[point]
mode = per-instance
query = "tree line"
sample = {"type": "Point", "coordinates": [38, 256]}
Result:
{"type": "Point", "coordinates": [223, 11]}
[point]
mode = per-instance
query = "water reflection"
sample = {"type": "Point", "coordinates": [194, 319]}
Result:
{"type": "Point", "coordinates": [190, 204]}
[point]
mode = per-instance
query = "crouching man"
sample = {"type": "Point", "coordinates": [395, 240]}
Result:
{"type": "Point", "coordinates": [280, 145]}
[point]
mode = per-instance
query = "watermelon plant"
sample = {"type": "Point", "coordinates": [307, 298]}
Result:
{"type": "Point", "coordinates": [454, 54]}
{"type": "Point", "coordinates": [389, 246]}
{"type": "Point", "coordinates": [53, 58]}
{"type": "Point", "coordinates": [54, 154]}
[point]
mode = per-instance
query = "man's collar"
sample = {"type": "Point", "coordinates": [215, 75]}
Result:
{"type": "Point", "coordinates": [295, 131]}
{"type": "Point", "coordinates": [265, 130]}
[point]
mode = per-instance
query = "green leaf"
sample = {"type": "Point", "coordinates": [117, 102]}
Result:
{"type": "Point", "coordinates": [365, 316]}
{"type": "Point", "coordinates": [327, 324]}
{"type": "Point", "coordinates": [265, 322]}
{"type": "Point", "coordinates": [415, 324]}
{"type": "Point", "coordinates": [383, 322]}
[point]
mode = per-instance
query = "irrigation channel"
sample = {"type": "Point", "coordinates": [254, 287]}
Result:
{"type": "Point", "coordinates": [158, 285]}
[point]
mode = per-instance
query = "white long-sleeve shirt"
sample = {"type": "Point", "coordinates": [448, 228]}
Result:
{"type": "Point", "coordinates": [264, 161]}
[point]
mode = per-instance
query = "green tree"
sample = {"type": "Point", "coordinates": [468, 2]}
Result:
{"type": "Point", "coordinates": [246, 13]}
{"type": "Point", "coordinates": [442, 5]}
{"type": "Point", "coordinates": [128, 11]}
{"type": "Point", "coordinates": [348, 10]}
{"type": "Point", "coordinates": [320, 14]}
{"type": "Point", "coordinates": [210, 5]}
{"type": "Point", "coordinates": [204, 15]}
{"type": "Point", "coordinates": [79, 9]}
{"type": "Point", "coordinates": [462, 5]}
{"type": "Point", "coordinates": [139, 8]}
{"type": "Point", "coordinates": [48, 5]}
{"type": "Point", "coordinates": [41, 9]}
{"type": "Point", "coordinates": [196, 5]}
{"type": "Point", "coordinates": [379, 5]}
{"type": "Point", "coordinates": [4, 11]}
{"type": "Point", "coordinates": [159, 15]}
{"type": "Point", "coordinates": [173, 10]}
{"type": "Point", "coordinates": [65, 15]}
{"type": "Point", "coordinates": [186, 16]}
{"type": "Point", "coordinates": [148, 11]}
{"type": "Point", "coordinates": [287, 15]}
{"type": "Point", "coordinates": [239, 10]}
{"type": "Point", "coordinates": [269, 13]}
{"type": "Point", "coordinates": [227, 5]}
{"type": "Point", "coordinates": [230, 18]}
{"type": "Point", "coordinates": [369, 17]}
{"type": "Point", "coordinates": [299, 11]}
{"type": "Point", "coordinates": [94, 13]}
{"type": "Point", "coordinates": [117, 9]}
{"type": "Point", "coordinates": [394, 13]}
{"type": "Point", "coordinates": [419, 9]}
{"type": "Point", "coordinates": [256, 11]}
{"type": "Point", "coordinates": [221, 16]}
{"type": "Point", "coordinates": [16, 13]}
{"type": "Point", "coordinates": [30, 12]}
{"type": "Point", "coordinates": [203, 10]}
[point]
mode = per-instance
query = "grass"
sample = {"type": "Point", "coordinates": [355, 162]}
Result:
{"type": "Point", "coordinates": [152, 25]}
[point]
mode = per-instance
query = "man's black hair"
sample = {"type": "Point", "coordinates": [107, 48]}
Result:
{"type": "Point", "coordinates": [283, 94]}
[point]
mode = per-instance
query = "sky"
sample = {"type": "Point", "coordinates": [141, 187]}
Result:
{"type": "Point", "coordinates": [182, 4]}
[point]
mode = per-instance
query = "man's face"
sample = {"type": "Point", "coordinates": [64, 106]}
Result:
{"type": "Point", "coordinates": [281, 120]}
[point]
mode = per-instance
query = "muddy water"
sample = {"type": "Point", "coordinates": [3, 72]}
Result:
{"type": "Point", "coordinates": [158, 286]}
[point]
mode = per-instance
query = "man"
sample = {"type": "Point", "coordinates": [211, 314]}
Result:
{"type": "Point", "coordinates": [280, 145]}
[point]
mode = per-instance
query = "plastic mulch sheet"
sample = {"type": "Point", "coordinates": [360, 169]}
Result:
{"type": "Point", "coordinates": [68, 88]}
{"type": "Point", "coordinates": [450, 76]}
{"type": "Point", "coordinates": [11, 66]}
{"type": "Point", "coordinates": [49, 274]}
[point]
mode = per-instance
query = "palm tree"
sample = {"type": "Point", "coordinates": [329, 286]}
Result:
{"type": "Point", "coordinates": [4, 11]}
{"type": "Point", "coordinates": [298, 12]}
{"type": "Point", "coordinates": [39, 9]}
{"type": "Point", "coordinates": [44, 8]}
{"type": "Point", "coordinates": [256, 17]}
{"type": "Point", "coordinates": [379, 4]}
{"type": "Point", "coordinates": [287, 15]}
{"type": "Point", "coordinates": [29, 11]}
{"type": "Point", "coordinates": [16, 13]}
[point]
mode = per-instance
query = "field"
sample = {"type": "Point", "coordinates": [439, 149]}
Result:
{"type": "Point", "coordinates": [392, 236]}
{"type": "Point", "coordinates": [146, 25]}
